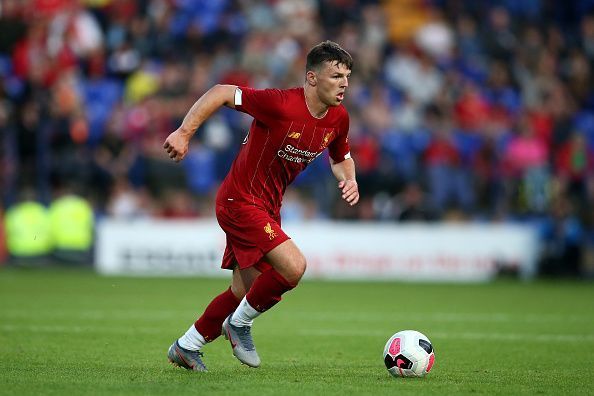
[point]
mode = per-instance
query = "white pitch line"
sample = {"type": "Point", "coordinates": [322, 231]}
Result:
{"type": "Point", "coordinates": [78, 329]}
{"type": "Point", "coordinates": [471, 317]}
{"type": "Point", "coordinates": [446, 317]}
{"type": "Point", "coordinates": [518, 337]}
{"type": "Point", "coordinates": [97, 315]}
{"type": "Point", "coordinates": [466, 336]}
{"type": "Point", "coordinates": [479, 336]}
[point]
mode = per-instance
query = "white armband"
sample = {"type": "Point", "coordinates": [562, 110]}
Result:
{"type": "Point", "coordinates": [238, 94]}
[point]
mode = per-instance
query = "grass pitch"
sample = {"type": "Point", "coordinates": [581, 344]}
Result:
{"type": "Point", "coordinates": [74, 332]}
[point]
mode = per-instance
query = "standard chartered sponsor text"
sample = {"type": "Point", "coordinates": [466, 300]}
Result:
{"type": "Point", "coordinates": [299, 155]}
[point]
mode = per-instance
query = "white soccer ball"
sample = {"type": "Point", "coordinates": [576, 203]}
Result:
{"type": "Point", "coordinates": [409, 353]}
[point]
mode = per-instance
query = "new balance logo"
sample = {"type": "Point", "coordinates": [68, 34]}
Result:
{"type": "Point", "coordinates": [294, 135]}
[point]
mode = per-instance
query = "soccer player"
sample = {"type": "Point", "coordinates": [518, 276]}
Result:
{"type": "Point", "coordinates": [290, 129]}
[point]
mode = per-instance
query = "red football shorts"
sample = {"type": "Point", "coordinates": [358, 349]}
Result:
{"type": "Point", "coordinates": [251, 233]}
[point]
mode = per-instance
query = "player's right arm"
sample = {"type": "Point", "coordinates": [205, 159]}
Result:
{"type": "Point", "coordinates": [177, 142]}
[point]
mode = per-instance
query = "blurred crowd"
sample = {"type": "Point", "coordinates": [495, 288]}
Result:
{"type": "Point", "coordinates": [461, 110]}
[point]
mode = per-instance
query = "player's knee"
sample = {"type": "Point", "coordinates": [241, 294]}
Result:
{"type": "Point", "coordinates": [297, 270]}
{"type": "Point", "coordinates": [238, 291]}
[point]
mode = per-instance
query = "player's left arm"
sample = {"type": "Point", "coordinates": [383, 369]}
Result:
{"type": "Point", "coordinates": [342, 164]}
{"type": "Point", "coordinates": [344, 171]}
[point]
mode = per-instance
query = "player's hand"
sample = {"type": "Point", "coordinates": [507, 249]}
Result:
{"type": "Point", "coordinates": [176, 145]}
{"type": "Point", "coordinates": [350, 191]}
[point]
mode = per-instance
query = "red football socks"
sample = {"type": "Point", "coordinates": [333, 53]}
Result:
{"type": "Point", "coordinates": [267, 290]}
{"type": "Point", "coordinates": [209, 324]}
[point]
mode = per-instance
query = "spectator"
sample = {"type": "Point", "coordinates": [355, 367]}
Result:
{"type": "Point", "coordinates": [28, 231]}
{"type": "Point", "coordinates": [526, 163]}
{"type": "Point", "coordinates": [574, 167]}
{"type": "Point", "coordinates": [412, 205]}
{"type": "Point", "coordinates": [448, 186]}
{"type": "Point", "coordinates": [564, 240]}
{"type": "Point", "coordinates": [72, 226]}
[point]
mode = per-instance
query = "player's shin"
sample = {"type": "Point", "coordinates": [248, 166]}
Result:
{"type": "Point", "coordinates": [209, 324]}
{"type": "Point", "coordinates": [266, 291]}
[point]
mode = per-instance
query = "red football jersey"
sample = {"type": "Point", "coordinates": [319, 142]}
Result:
{"type": "Point", "coordinates": [283, 139]}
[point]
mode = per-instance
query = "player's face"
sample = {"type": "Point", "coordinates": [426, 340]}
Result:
{"type": "Point", "coordinates": [332, 82]}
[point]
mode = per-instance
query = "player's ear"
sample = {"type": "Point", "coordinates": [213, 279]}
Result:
{"type": "Point", "coordinates": [311, 78]}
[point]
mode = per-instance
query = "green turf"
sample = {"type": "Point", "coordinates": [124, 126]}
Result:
{"type": "Point", "coordinates": [72, 332]}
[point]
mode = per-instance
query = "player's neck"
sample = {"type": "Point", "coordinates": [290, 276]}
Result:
{"type": "Point", "coordinates": [316, 107]}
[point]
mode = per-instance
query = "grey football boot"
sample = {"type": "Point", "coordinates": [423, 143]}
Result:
{"type": "Point", "coordinates": [180, 357]}
{"type": "Point", "coordinates": [241, 342]}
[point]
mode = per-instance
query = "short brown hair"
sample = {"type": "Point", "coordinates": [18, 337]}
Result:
{"type": "Point", "coordinates": [328, 51]}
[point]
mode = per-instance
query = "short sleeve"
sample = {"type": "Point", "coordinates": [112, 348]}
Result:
{"type": "Point", "coordinates": [265, 105]}
{"type": "Point", "coordinates": [339, 149]}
